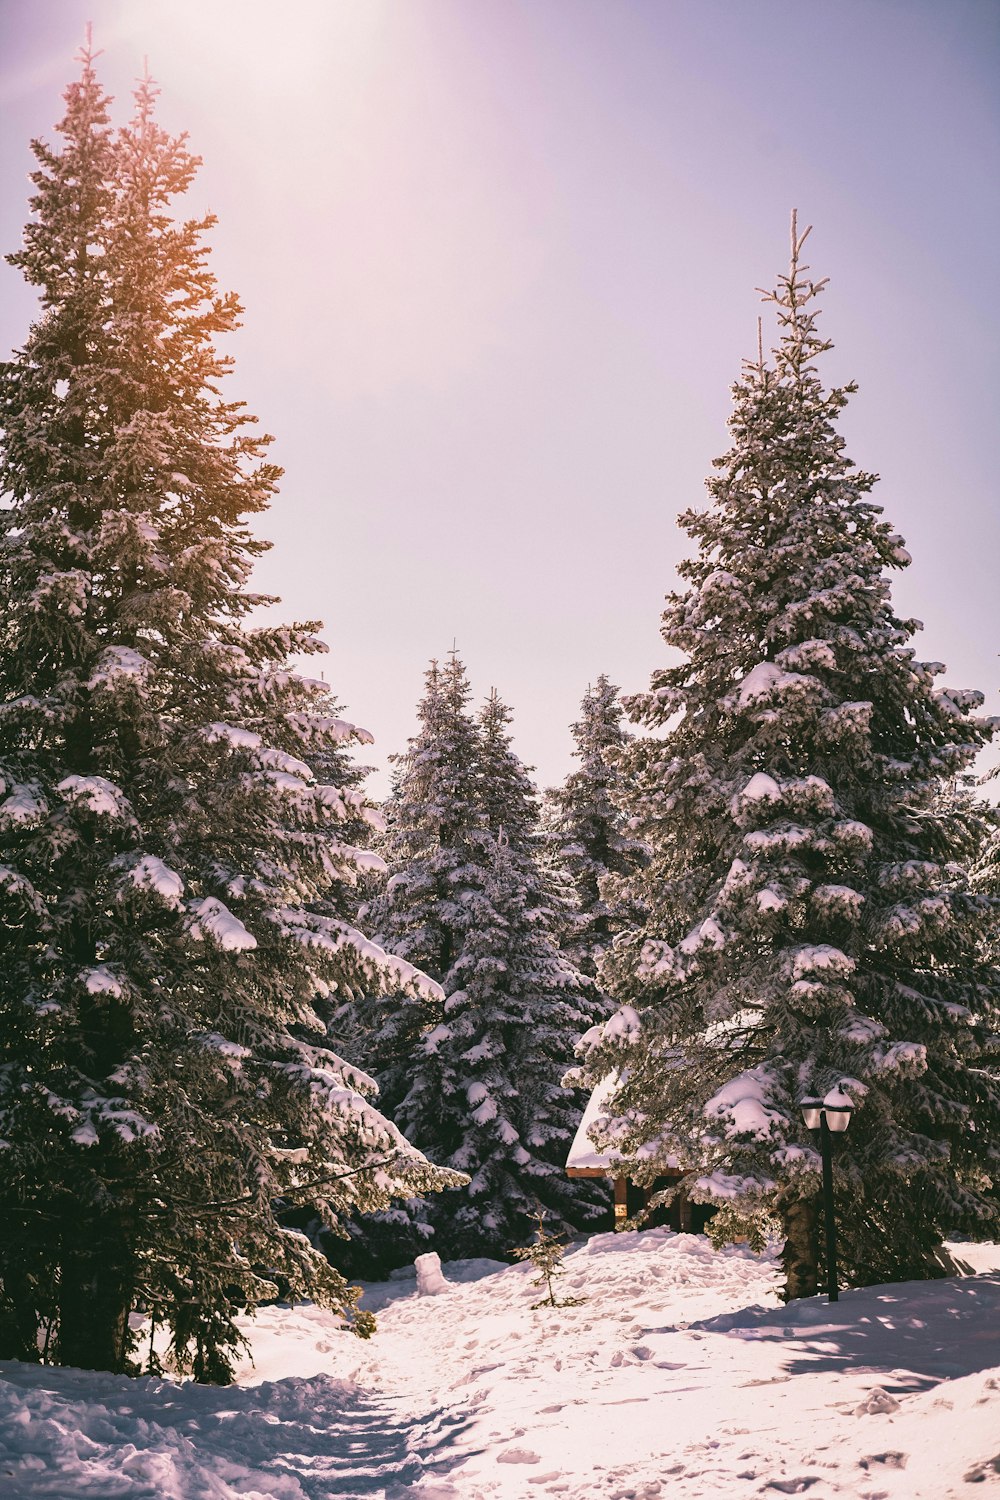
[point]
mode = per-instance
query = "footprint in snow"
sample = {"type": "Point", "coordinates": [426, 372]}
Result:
{"type": "Point", "coordinates": [876, 1403]}
{"type": "Point", "coordinates": [989, 1468]}
{"type": "Point", "coordinates": [793, 1486]}
{"type": "Point", "coordinates": [891, 1459]}
{"type": "Point", "coordinates": [520, 1456]}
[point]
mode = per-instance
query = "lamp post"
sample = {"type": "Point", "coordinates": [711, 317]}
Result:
{"type": "Point", "coordinates": [831, 1115]}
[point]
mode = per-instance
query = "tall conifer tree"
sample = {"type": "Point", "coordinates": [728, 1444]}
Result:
{"type": "Point", "coordinates": [809, 921]}
{"type": "Point", "coordinates": [436, 847]}
{"type": "Point", "coordinates": [476, 1078]}
{"type": "Point", "coordinates": [172, 850]}
{"type": "Point", "coordinates": [587, 828]}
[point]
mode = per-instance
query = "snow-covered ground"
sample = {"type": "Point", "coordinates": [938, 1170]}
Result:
{"type": "Point", "coordinates": [679, 1375]}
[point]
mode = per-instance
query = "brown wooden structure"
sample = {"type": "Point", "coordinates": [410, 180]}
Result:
{"type": "Point", "coordinates": [585, 1160]}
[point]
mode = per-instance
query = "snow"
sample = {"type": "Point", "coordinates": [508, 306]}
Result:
{"type": "Point", "coordinates": [232, 734]}
{"type": "Point", "coordinates": [820, 958]}
{"type": "Point", "coordinates": [118, 663]}
{"type": "Point", "coordinates": [680, 1374]}
{"type": "Point", "coordinates": [771, 900]}
{"type": "Point", "coordinates": [430, 1278]}
{"type": "Point", "coordinates": [708, 934]}
{"type": "Point", "coordinates": [850, 831]}
{"type": "Point", "coordinates": [742, 1105]}
{"type": "Point", "coordinates": [764, 679]}
{"type": "Point", "coordinates": [151, 874]}
{"type": "Point", "coordinates": [23, 808]}
{"type": "Point", "coordinates": [101, 981]}
{"type": "Point", "coordinates": [761, 788]}
{"type": "Point", "coordinates": [623, 1026]}
{"type": "Point", "coordinates": [97, 794]}
{"type": "Point", "coordinates": [902, 1057]}
{"type": "Point", "coordinates": [233, 1052]}
{"type": "Point", "coordinates": [583, 1154]}
{"type": "Point", "coordinates": [839, 899]}
{"type": "Point", "coordinates": [212, 919]}
{"type": "Point", "coordinates": [780, 841]}
{"type": "Point", "coordinates": [813, 653]}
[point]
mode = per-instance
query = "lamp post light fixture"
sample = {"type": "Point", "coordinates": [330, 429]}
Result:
{"type": "Point", "coordinates": [830, 1116]}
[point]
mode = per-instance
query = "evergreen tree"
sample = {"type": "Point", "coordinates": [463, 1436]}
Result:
{"type": "Point", "coordinates": [173, 852]}
{"type": "Point", "coordinates": [435, 846]}
{"type": "Point", "coordinates": [507, 794]}
{"type": "Point", "coordinates": [987, 864]}
{"type": "Point", "coordinates": [587, 828]}
{"type": "Point", "coordinates": [809, 917]}
{"type": "Point", "coordinates": [546, 1257]}
{"type": "Point", "coordinates": [476, 1077]}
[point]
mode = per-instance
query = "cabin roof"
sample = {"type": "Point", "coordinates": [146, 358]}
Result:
{"type": "Point", "coordinates": [585, 1160]}
{"type": "Point", "coordinates": [583, 1154]}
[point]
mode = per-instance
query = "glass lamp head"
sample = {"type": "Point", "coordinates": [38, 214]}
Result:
{"type": "Point", "coordinates": [837, 1107]}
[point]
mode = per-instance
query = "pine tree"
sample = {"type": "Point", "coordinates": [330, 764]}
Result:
{"type": "Point", "coordinates": [810, 920]}
{"type": "Point", "coordinates": [435, 845]}
{"type": "Point", "coordinates": [587, 829]}
{"type": "Point", "coordinates": [173, 852]}
{"type": "Point", "coordinates": [987, 863]}
{"type": "Point", "coordinates": [546, 1257]}
{"type": "Point", "coordinates": [475, 1080]}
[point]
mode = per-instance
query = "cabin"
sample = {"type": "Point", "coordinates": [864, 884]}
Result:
{"type": "Point", "coordinates": [585, 1160]}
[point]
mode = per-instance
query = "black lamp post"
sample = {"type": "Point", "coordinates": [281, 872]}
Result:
{"type": "Point", "coordinates": [831, 1115]}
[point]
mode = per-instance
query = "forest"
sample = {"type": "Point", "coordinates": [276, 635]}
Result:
{"type": "Point", "coordinates": [260, 1037]}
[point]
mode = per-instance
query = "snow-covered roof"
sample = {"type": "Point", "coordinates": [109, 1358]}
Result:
{"type": "Point", "coordinates": [583, 1154]}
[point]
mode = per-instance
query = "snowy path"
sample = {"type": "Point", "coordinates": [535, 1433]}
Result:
{"type": "Point", "coordinates": [680, 1374]}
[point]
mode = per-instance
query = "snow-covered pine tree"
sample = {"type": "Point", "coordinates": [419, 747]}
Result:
{"type": "Point", "coordinates": [436, 847]}
{"type": "Point", "coordinates": [517, 816]}
{"type": "Point", "coordinates": [513, 1022]}
{"type": "Point", "coordinates": [810, 921]}
{"type": "Point", "coordinates": [587, 828]}
{"type": "Point", "coordinates": [476, 1078]}
{"type": "Point", "coordinates": [436, 850]}
{"type": "Point", "coordinates": [987, 864]}
{"type": "Point", "coordinates": [171, 859]}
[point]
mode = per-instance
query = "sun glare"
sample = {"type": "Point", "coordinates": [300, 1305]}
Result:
{"type": "Point", "coordinates": [254, 48]}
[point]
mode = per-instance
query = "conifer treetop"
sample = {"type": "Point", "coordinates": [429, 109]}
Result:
{"type": "Point", "coordinates": [792, 298]}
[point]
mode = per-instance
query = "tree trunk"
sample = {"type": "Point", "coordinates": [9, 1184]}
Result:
{"type": "Point", "coordinates": [800, 1256]}
{"type": "Point", "coordinates": [19, 1320]}
{"type": "Point", "coordinates": [95, 1299]}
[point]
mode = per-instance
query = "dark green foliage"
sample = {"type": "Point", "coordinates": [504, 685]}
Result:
{"type": "Point", "coordinates": [174, 852]}
{"type": "Point", "coordinates": [587, 830]}
{"type": "Point", "coordinates": [546, 1255]}
{"type": "Point", "coordinates": [474, 1077]}
{"type": "Point", "coordinates": [809, 920]}
{"type": "Point", "coordinates": [730, 1226]}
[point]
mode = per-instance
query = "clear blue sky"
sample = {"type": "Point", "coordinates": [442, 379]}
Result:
{"type": "Point", "coordinates": [498, 259]}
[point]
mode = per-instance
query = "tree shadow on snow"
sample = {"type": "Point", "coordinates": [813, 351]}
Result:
{"type": "Point", "coordinates": [949, 1329]}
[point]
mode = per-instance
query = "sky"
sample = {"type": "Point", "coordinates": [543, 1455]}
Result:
{"type": "Point", "coordinates": [499, 261]}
